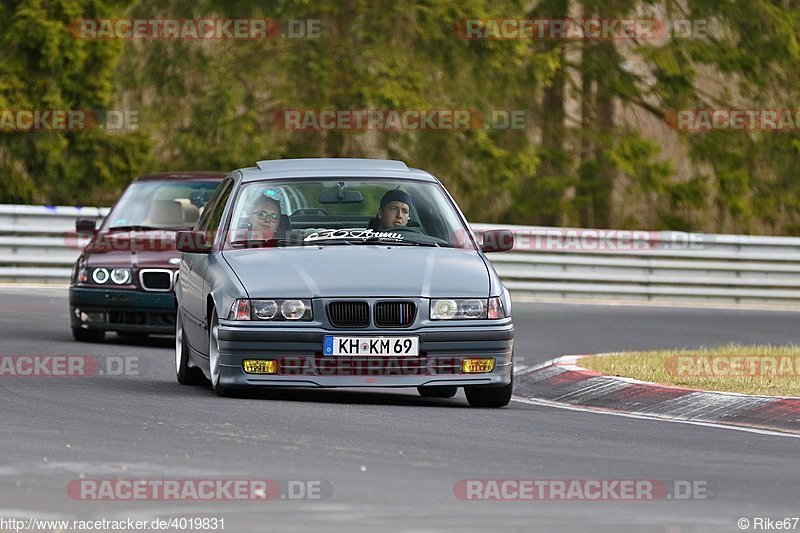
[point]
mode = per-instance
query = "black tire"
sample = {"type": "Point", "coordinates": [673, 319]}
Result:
{"type": "Point", "coordinates": [186, 375]}
{"type": "Point", "coordinates": [438, 391]}
{"type": "Point", "coordinates": [88, 335]}
{"type": "Point", "coordinates": [489, 396]}
{"type": "Point", "coordinates": [213, 344]}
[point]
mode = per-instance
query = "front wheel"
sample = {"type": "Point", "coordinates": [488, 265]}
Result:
{"type": "Point", "coordinates": [186, 375]}
{"type": "Point", "coordinates": [213, 354]}
{"type": "Point", "coordinates": [489, 396]}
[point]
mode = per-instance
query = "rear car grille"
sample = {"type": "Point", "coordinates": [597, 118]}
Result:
{"type": "Point", "coordinates": [349, 314]}
{"type": "Point", "coordinates": [156, 279]}
{"type": "Point", "coordinates": [395, 314]}
{"type": "Point", "coordinates": [140, 318]}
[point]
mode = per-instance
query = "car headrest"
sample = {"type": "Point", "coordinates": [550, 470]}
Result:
{"type": "Point", "coordinates": [166, 213]}
{"type": "Point", "coordinates": [191, 213]}
{"type": "Point", "coordinates": [284, 226]}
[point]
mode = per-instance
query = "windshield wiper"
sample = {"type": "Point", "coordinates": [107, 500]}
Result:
{"type": "Point", "coordinates": [332, 240]}
{"type": "Point", "coordinates": [380, 240]}
{"type": "Point", "coordinates": [135, 228]}
{"type": "Point", "coordinates": [259, 243]}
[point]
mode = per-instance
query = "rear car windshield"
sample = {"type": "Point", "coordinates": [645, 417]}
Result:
{"type": "Point", "coordinates": [161, 204]}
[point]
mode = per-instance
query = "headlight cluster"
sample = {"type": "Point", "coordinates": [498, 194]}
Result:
{"type": "Point", "coordinates": [290, 309]}
{"type": "Point", "coordinates": [105, 276]}
{"type": "Point", "coordinates": [466, 309]}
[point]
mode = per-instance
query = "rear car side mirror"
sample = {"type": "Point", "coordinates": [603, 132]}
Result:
{"type": "Point", "coordinates": [193, 242]}
{"type": "Point", "coordinates": [498, 240]}
{"type": "Point", "coordinates": [85, 225]}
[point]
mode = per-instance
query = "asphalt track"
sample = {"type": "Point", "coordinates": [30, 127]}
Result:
{"type": "Point", "coordinates": [391, 457]}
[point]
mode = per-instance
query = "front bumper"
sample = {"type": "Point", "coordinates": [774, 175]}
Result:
{"type": "Point", "coordinates": [122, 310]}
{"type": "Point", "coordinates": [301, 363]}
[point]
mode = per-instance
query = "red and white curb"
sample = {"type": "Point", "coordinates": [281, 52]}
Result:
{"type": "Point", "coordinates": [561, 383]}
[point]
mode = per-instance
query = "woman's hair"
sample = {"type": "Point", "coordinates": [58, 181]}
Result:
{"type": "Point", "coordinates": [262, 200]}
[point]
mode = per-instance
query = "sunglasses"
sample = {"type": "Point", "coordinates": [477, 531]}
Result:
{"type": "Point", "coordinates": [266, 215]}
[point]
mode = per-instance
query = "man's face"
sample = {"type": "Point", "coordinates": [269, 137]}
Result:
{"type": "Point", "coordinates": [265, 218]}
{"type": "Point", "coordinates": [393, 214]}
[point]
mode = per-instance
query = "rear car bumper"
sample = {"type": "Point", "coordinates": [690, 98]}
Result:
{"type": "Point", "coordinates": [301, 363]}
{"type": "Point", "coordinates": [122, 310]}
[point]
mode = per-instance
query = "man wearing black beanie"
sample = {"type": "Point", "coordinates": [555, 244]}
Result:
{"type": "Point", "coordinates": [395, 209]}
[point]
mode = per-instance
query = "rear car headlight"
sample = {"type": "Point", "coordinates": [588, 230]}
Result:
{"type": "Point", "coordinates": [121, 276]}
{"type": "Point", "coordinates": [458, 309]}
{"type": "Point", "coordinates": [275, 310]}
{"type": "Point", "coordinates": [100, 276]}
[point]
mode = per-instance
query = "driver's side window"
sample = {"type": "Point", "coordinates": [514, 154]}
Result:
{"type": "Point", "coordinates": [212, 215]}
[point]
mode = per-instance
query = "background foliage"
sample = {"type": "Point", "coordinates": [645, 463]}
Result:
{"type": "Point", "coordinates": [595, 152]}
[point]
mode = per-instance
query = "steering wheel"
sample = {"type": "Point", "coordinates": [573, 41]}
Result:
{"type": "Point", "coordinates": [310, 211]}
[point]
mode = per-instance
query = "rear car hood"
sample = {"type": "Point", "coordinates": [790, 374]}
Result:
{"type": "Point", "coordinates": [142, 249]}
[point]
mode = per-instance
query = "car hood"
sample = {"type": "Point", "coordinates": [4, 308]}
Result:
{"type": "Point", "coordinates": [360, 271]}
{"type": "Point", "coordinates": [137, 249]}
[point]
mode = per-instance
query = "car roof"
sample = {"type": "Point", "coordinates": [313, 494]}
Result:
{"type": "Point", "coordinates": [193, 175]}
{"type": "Point", "coordinates": [332, 168]}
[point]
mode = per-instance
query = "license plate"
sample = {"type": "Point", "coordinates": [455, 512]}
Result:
{"type": "Point", "coordinates": [370, 346]}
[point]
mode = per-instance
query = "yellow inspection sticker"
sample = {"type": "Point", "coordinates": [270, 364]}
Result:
{"type": "Point", "coordinates": [477, 366]}
{"type": "Point", "coordinates": [260, 366]}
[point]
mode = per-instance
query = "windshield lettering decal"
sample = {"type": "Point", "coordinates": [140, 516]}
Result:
{"type": "Point", "coordinates": [352, 234]}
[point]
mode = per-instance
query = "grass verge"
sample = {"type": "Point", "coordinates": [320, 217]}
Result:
{"type": "Point", "coordinates": [762, 370]}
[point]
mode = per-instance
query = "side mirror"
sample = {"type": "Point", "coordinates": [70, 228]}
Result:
{"type": "Point", "coordinates": [498, 240]}
{"type": "Point", "coordinates": [85, 225]}
{"type": "Point", "coordinates": [193, 242]}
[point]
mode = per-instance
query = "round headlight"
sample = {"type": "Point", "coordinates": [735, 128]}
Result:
{"type": "Point", "coordinates": [293, 309]}
{"type": "Point", "coordinates": [472, 308]}
{"type": "Point", "coordinates": [100, 275]}
{"type": "Point", "coordinates": [120, 276]}
{"type": "Point", "coordinates": [444, 309]}
{"type": "Point", "coordinates": [265, 309]}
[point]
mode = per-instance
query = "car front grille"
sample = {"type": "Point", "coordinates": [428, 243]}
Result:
{"type": "Point", "coordinates": [349, 314]}
{"type": "Point", "coordinates": [395, 314]}
{"type": "Point", "coordinates": [156, 279]}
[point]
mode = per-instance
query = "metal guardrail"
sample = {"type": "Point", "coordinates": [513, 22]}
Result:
{"type": "Point", "coordinates": [37, 244]}
{"type": "Point", "coordinates": [573, 263]}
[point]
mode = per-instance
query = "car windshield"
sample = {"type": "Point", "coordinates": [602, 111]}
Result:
{"type": "Point", "coordinates": [160, 205]}
{"type": "Point", "coordinates": [346, 211]}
